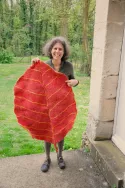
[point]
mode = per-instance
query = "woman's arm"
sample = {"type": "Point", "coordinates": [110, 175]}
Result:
{"type": "Point", "coordinates": [72, 82]}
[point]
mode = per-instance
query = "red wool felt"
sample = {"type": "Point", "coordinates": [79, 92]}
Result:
{"type": "Point", "coordinates": [44, 104]}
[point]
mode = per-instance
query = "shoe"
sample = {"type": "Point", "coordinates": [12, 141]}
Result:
{"type": "Point", "coordinates": [45, 166]}
{"type": "Point", "coordinates": [61, 162]}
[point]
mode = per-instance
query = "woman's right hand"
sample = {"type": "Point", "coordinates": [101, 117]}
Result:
{"type": "Point", "coordinates": [34, 60]}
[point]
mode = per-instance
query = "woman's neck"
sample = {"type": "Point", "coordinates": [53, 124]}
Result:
{"type": "Point", "coordinates": [56, 62]}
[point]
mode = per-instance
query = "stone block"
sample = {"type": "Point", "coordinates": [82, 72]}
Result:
{"type": "Point", "coordinates": [104, 130]}
{"type": "Point", "coordinates": [109, 87]}
{"type": "Point", "coordinates": [102, 109]}
{"type": "Point", "coordinates": [114, 32]}
{"type": "Point", "coordinates": [112, 59]}
{"type": "Point", "coordinates": [99, 130]}
{"type": "Point", "coordinates": [107, 109]}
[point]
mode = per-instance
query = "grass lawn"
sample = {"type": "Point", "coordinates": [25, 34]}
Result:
{"type": "Point", "coordinates": [14, 140]}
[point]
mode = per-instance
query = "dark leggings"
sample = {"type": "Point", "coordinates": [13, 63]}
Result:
{"type": "Point", "coordinates": [48, 146]}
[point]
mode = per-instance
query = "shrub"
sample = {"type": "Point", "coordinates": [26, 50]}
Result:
{"type": "Point", "coordinates": [6, 57]}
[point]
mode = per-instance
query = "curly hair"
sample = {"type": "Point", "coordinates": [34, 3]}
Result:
{"type": "Point", "coordinates": [49, 45]}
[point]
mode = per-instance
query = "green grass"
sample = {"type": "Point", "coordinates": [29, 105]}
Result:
{"type": "Point", "coordinates": [14, 140]}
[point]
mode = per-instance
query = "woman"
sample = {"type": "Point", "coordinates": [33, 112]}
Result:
{"type": "Point", "coordinates": [57, 50]}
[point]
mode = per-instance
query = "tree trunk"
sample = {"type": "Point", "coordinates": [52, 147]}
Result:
{"type": "Point", "coordinates": [62, 8]}
{"type": "Point", "coordinates": [31, 26]}
{"type": "Point", "coordinates": [64, 25]}
{"type": "Point", "coordinates": [11, 21]}
{"type": "Point", "coordinates": [87, 65]}
{"type": "Point", "coordinates": [24, 17]}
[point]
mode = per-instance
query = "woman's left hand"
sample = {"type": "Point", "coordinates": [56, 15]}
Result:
{"type": "Point", "coordinates": [72, 82]}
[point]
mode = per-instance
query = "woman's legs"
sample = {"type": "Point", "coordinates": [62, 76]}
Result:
{"type": "Point", "coordinates": [61, 162]}
{"type": "Point", "coordinates": [46, 164]}
{"type": "Point", "coordinates": [60, 148]}
{"type": "Point", "coordinates": [47, 146]}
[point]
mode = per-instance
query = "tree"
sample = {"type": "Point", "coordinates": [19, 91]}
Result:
{"type": "Point", "coordinates": [86, 67]}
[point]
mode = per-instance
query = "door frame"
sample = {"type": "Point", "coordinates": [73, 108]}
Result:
{"type": "Point", "coordinates": [115, 138]}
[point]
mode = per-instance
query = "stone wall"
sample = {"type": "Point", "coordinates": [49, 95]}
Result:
{"type": "Point", "coordinates": [108, 37]}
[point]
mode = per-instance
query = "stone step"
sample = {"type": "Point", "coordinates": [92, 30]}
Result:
{"type": "Point", "coordinates": [110, 160]}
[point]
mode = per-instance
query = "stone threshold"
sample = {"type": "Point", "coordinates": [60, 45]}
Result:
{"type": "Point", "coordinates": [111, 162]}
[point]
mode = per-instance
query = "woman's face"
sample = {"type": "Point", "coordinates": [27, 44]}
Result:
{"type": "Point", "coordinates": [57, 51]}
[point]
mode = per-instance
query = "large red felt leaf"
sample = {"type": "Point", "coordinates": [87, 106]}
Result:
{"type": "Point", "coordinates": [44, 104]}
